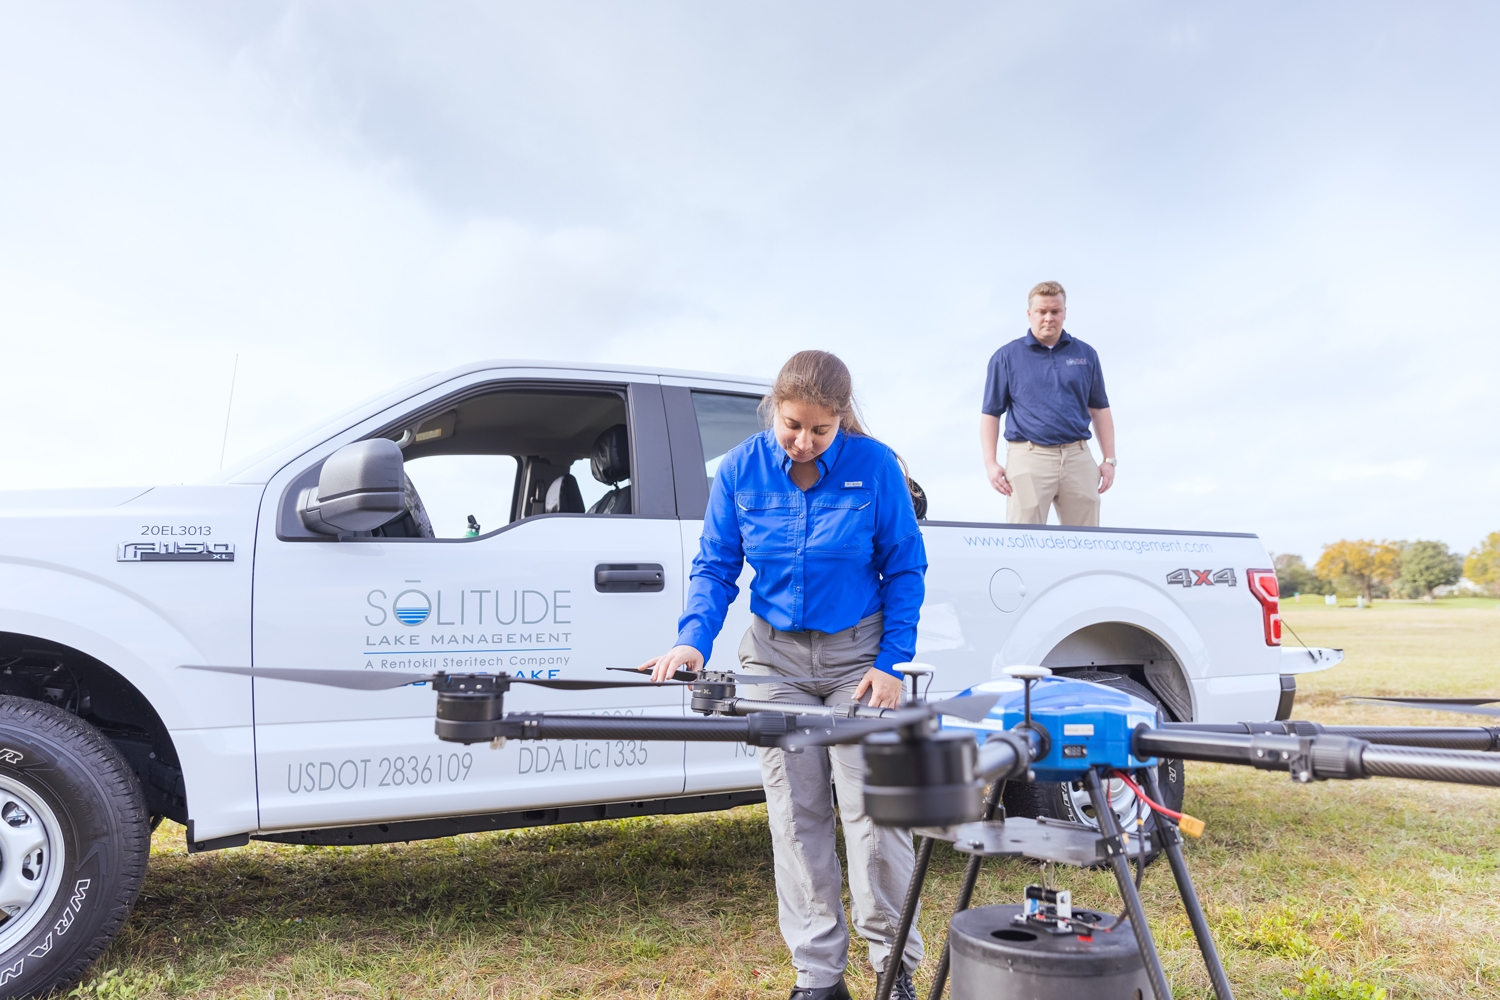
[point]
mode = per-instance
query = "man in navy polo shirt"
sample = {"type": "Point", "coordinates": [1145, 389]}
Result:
{"type": "Point", "coordinates": [1050, 384]}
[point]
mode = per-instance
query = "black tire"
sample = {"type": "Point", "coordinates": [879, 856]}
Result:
{"type": "Point", "coordinates": [1058, 801]}
{"type": "Point", "coordinates": [74, 832]}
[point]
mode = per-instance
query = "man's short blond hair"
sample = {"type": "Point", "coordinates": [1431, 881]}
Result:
{"type": "Point", "coordinates": [1047, 288]}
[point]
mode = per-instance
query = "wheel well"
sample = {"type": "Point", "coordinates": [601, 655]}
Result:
{"type": "Point", "coordinates": [1122, 648]}
{"type": "Point", "coordinates": [76, 682]}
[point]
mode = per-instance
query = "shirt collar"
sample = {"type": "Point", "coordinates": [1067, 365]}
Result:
{"type": "Point", "coordinates": [825, 461]}
{"type": "Point", "coordinates": [1062, 341]}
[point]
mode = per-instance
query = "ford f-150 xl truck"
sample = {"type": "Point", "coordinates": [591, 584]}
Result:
{"type": "Point", "coordinates": [549, 519]}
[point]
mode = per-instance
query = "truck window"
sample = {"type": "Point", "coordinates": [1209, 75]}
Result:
{"type": "Point", "coordinates": [512, 454]}
{"type": "Point", "coordinates": [724, 420]}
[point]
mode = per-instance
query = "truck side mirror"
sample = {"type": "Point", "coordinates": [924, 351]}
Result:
{"type": "Point", "coordinates": [361, 487]}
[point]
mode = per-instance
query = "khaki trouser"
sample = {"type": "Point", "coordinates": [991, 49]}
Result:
{"type": "Point", "coordinates": [1065, 475]}
{"type": "Point", "coordinates": [800, 803]}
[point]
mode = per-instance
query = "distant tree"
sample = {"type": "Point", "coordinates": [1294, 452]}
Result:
{"type": "Point", "coordinates": [1293, 576]}
{"type": "Point", "coordinates": [1363, 563]}
{"type": "Point", "coordinates": [1483, 564]}
{"type": "Point", "coordinates": [1425, 565]}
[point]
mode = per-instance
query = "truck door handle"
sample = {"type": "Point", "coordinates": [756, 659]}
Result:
{"type": "Point", "coordinates": [629, 578]}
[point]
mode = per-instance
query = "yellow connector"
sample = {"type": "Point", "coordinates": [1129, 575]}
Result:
{"type": "Point", "coordinates": [1191, 825]}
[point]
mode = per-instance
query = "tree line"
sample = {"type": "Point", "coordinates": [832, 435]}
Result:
{"type": "Point", "coordinates": [1390, 568]}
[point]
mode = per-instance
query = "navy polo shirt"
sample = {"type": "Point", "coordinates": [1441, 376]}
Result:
{"type": "Point", "coordinates": [1048, 393]}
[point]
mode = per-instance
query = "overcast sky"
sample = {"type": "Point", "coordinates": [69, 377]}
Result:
{"type": "Point", "coordinates": [1276, 222]}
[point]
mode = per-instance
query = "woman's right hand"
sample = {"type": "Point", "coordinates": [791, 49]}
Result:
{"type": "Point", "coordinates": [663, 667]}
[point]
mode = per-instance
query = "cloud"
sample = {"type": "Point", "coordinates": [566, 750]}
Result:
{"type": "Point", "coordinates": [1407, 471]}
{"type": "Point", "coordinates": [1276, 227]}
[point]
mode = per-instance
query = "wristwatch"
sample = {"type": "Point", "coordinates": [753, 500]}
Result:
{"type": "Point", "coordinates": [1110, 462]}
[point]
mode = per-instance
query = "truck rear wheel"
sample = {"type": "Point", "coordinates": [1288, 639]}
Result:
{"type": "Point", "coordinates": [74, 839]}
{"type": "Point", "coordinates": [1070, 800]}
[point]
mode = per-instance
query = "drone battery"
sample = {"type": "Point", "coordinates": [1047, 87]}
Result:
{"type": "Point", "coordinates": [995, 958]}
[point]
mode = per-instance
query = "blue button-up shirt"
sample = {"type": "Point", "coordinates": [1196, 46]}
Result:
{"type": "Point", "coordinates": [1047, 393]}
{"type": "Point", "coordinates": [823, 559]}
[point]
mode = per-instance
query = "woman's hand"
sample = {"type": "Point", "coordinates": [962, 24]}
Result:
{"type": "Point", "coordinates": [884, 688]}
{"type": "Point", "coordinates": [663, 667]}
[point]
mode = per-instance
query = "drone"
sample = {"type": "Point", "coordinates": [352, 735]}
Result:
{"type": "Point", "coordinates": [928, 765]}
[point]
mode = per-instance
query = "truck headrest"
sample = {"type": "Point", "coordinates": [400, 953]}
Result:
{"type": "Point", "coordinates": [610, 458]}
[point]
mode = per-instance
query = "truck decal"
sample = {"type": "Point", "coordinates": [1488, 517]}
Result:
{"type": "Point", "coordinates": [1087, 543]}
{"type": "Point", "coordinates": [175, 552]}
{"type": "Point", "coordinates": [1202, 577]}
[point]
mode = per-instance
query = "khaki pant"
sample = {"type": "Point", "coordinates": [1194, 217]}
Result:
{"type": "Point", "coordinates": [800, 805]}
{"type": "Point", "coordinates": [1040, 477]}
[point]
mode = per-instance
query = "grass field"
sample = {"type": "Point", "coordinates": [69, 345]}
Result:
{"type": "Point", "coordinates": [1325, 891]}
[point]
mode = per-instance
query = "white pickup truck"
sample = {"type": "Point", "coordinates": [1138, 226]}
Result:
{"type": "Point", "coordinates": [546, 528]}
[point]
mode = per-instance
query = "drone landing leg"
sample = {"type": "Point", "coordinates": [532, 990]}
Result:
{"type": "Point", "coordinates": [893, 961]}
{"type": "Point", "coordinates": [1171, 841]}
{"type": "Point", "coordinates": [965, 894]}
{"type": "Point", "coordinates": [1137, 913]}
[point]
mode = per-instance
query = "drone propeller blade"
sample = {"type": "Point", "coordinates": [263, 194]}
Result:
{"type": "Point", "coordinates": [384, 680]}
{"type": "Point", "coordinates": [571, 685]}
{"type": "Point", "coordinates": [970, 707]}
{"type": "Point", "coordinates": [356, 680]}
{"type": "Point", "coordinates": [685, 676]}
{"type": "Point", "coordinates": [747, 680]}
{"type": "Point", "coordinates": [1466, 706]}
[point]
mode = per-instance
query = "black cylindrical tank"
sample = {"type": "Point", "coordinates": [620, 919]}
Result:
{"type": "Point", "coordinates": [994, 958]}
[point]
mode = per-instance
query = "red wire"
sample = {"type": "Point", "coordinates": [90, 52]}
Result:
{"type": "Point", "coordinates": [1146, 799]}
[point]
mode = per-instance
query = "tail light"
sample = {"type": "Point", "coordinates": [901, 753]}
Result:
{"type": "Point", "coordinates": [1263, 585]}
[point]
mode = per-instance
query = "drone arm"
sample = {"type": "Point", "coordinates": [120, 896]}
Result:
{"type": "Point", "coordinates": [1481, 738]}
{"type": "Point", "coordinates": [1423, 764]}
{"type": "Point", "coordinates": [1319, 756]}
{"type": "Point", "coordinates": [760, 729]}
{"type": "Point", "coordinates": [749, 706]}
{"type": "Point", "coordinates": [1006, 755]}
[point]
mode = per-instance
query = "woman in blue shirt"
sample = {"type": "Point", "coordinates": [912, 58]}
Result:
{"type": "Point", "coordinates": [824, 515]}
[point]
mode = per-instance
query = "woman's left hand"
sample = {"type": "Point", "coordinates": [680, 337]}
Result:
{"type": "Point", "coordinates": [884, 688]}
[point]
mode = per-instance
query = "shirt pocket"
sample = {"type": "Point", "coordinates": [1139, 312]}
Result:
{"type": "Point", "coordinates": [843, 523]}
{"type": "Point", "coordinates": [767, 520]}
{"type": "Point", "coordinates": [1077, 376]}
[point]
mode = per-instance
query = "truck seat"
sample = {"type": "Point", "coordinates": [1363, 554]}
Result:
{"type": "Point", "coordinates": [609, 461]}
{"type": "Point", "coordinates": [563, 496]}
{"type": "Point", "coordinates": [413, 523]}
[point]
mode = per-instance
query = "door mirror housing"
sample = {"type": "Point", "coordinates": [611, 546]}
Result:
{"type": "Point", "coordinates": [362, 486]}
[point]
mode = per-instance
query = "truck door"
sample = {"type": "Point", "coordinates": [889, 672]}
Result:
{"type": "Point", "coordinates": [705, 424]}
{"type": "Point", "coordinates": [539, 539]}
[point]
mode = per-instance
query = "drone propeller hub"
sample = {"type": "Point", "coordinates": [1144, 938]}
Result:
{"type": "Point", "coordinates": [711, 690]}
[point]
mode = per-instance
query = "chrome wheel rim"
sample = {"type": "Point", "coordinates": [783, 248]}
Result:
{"type": "Point", "coordinates": [1122, 802]}
{"type": "Point", "coordinates": [30, 869]}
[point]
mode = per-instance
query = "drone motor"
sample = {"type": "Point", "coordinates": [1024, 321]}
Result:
{"type": "Point", "coordinates": [929, 781]}
{"type": "Point", "coordinates": [469, 707]}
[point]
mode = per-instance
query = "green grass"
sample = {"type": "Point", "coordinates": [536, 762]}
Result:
{"type": "Point", "coordinates": [1324, 892]}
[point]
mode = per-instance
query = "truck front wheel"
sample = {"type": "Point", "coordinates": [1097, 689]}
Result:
{"type": "Point", "coordinates": [74, 839]}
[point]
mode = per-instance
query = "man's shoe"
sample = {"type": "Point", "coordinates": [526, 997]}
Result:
{"type": "Point", "coordinates": [903, 988]}
{"type": "Point", "coordinates": [838, 991]}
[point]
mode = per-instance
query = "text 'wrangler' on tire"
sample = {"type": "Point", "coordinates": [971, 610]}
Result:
{"type": "Point", "coordinates": [74, 838]}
